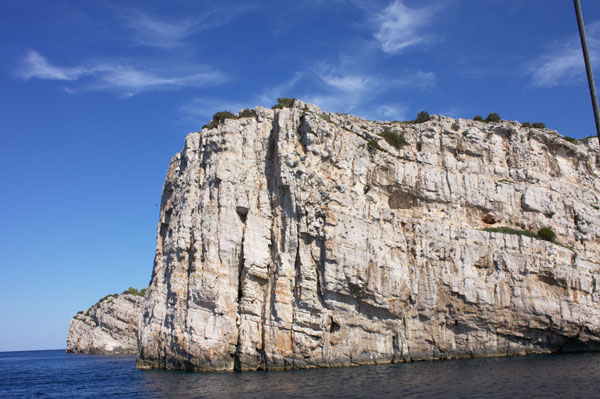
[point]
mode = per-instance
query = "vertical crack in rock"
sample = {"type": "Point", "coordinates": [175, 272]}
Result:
{"type": "Point", "coordinates": [320, 263]}
{"type": "Point", "coordinates": [296, 288]}
{"type": "Point", "coordinates": [273, 194]}
{"type": "Point", "coordinates": [191, 257]}
{"type": "Point", "coordinates": [442, 150]}
{"type": "Point", "coordinates": [243, 214]}
{"type": "Point", "coordinates": [302, 129]}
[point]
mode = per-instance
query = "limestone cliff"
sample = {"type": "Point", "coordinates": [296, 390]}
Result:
{"type": "Point", "coordinates": [298, 238]}
{"type": "Point", "coordinates": [108, 327]}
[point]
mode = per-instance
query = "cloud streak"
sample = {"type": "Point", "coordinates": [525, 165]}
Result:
{"type": "Point", "coordinates": [150, 31]}
{"type": "Point", "coordinates": [155, 32]}
{"type": "Point", "coordinates": [34, 65]}
{"type": "Point", "coordinates": [400, 27]}
{"type": "Point", "coordinates": [119, 76]}
{"type": "Point", "coordinates": [563, 63]}
{"type": "Point", "coordinates": [360, 84]}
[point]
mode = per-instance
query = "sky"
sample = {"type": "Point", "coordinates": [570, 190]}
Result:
{"type": "Point", "coordinates": [96, 96]}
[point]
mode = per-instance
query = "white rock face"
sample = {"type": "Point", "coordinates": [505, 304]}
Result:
{"type": "Point", "coordinates": [108, 327]}
{"type": "Point", "coordinates": [287, 241]}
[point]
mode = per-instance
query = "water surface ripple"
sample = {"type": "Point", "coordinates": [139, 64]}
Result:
{"type": "Point", "coordinates": [54, 374]}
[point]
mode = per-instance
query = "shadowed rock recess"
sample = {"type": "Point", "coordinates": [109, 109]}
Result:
{"type": "Point", "coordinates": [287, 241]}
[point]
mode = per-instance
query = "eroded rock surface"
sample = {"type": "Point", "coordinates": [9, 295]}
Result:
{"type": "Point", "coordinates": [287, 241]}
{"type": "Point", "coordinates": [108, 327]}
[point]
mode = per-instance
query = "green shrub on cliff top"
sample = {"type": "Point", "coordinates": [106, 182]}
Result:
{"type": "Point", "coordinates": [284, 102]}
{"type": "Point", "coordinates": [134, 291]}
{"type": "Point", "coordinates": [218, 118]}
{"type": "Point", "coordinates": [492, 117]}
{"type": "Point", "coordinates": [222, 115]}
{"type": "Point", "coordinates": [131, 291]}
{"type": "Point", "coordinates": [422, 116]}
{"type": "Point", "coordinates": [106, 297]}
{"type": "Point", "coordinates": [87, 312]}
{"type": "Point", "coordinates": [247, 113]}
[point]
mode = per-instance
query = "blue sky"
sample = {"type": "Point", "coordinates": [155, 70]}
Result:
{"type": "Point", "coordinates": [97, 96]}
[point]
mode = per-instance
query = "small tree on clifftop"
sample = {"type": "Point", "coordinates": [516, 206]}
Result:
{"type": "Point", "coordinates": [422, 116]}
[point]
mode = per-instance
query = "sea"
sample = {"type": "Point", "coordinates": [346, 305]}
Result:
{"type": "Point", "coordinates": [55, 374]}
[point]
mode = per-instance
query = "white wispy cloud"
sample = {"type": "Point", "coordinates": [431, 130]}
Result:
{"type": "Point", "coordinates": [149, 30]}
{"type": "Point", "coordinates": [396, 111]}
{"type": "Point", "coordinates": [400, 27]}
{"type": "Point", "coordinates": [33, 65]}
{"type": "Point", "coordinates": [418, 79]}
{"type": "Point", "coordinates": [360, 83]}
{"type": "Point", "coordinates": [350, 83]}
{"type": "Point", "coordinates": [563, 63]}
{"type": "Point", "coordinates": [119, 76]}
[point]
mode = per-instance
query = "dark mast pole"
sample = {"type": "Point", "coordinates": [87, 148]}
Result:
{"type": "Point", "coordinates": [588, 67]}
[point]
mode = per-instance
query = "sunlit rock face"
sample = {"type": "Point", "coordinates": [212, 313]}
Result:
{"type": "Point", "coordinates": [289, 240]}
{"type": "Point", "coordinates": [108, 327]}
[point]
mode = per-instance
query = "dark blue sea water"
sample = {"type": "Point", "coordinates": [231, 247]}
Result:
{"type": "Point", "coordinates": [54, 374]}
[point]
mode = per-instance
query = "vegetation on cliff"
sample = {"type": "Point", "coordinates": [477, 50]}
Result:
{"type": "Point", "coordinates": [221, 116]}
{"type": "Point", "coordinates": [284, 102]}
{"type": "Point", "coordinates": [395, 139]}
{"type": "Point", "coordinates": [130, 291]}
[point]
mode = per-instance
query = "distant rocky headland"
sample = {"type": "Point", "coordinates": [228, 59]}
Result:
{"type": "Point", "coordinates": [296, 238]}
{"type": "Point", "coordinates": [108, 327]}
